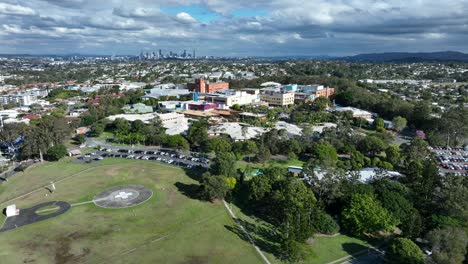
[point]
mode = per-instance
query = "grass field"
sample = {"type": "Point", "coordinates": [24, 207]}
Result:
{"type": "Point", "coordinates": [169, 228]}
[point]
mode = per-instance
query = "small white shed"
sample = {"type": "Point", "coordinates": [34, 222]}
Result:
{"type": "Point", "coordinates": [11, 210]}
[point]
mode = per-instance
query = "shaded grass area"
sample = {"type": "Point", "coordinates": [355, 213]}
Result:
{"type": "Point", "coordinates": [171, 227]}
{"type": "Point", "coordinates": [331, 248]}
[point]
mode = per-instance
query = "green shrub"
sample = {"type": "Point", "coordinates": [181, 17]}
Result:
{"type": "Point", "coordinates": [403, 250]}
{"type": "Point", "coordinates": [325, 224]}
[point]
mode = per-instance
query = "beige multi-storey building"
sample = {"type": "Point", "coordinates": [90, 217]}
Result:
{"type": "Point", "coordinates": [276, 97]}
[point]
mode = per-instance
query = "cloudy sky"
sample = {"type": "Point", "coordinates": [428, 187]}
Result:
{"type": "Point", "coordinates": [232, 28]}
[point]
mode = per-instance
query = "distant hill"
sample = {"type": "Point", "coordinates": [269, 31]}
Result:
{"type": "Point", "coordinates": [410, 57]}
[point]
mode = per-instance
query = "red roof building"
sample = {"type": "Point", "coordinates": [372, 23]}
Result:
{"type": "Point", "coordinates": [31, 116]}
{"type": "Point", "coordinates": [201, 86]}
{"type": "Point", "coordinates": [98, 98]}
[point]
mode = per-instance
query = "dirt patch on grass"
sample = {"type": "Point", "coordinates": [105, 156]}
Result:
{"type": "Point", "coordinates": [100, 184]}
{"type": "Point", "coordinates": [30, 247]}
{"type": "Point", "coordinates": [171, 197]}
{"type": "Point", "coordinates": [196, 260]}
{"type": "Point", "coordinates": [62, 252]}
{"type": "Point", "coordinates": [113, 171]}
{"type": "Point", "coordinates": [216, 201]}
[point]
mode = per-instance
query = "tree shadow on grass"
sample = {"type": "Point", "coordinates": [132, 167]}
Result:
{"type": "Point", "coordinates": [194, 173]}
{"type": "Point", "coordinates": [262, 235]}
{"type": "Point", "coordinates": [352, 248]}
{"type": "Point", "coordinates": [362, 254]}
{"type": "Point", "coordinates": [189, 190]}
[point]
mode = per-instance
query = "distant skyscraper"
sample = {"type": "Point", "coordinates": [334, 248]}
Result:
{"type": "Point", "coordinates": [184, 54]}
{"type": "Point", "coordinates": [160, 54]}
{"type": "Point", "coordinates": [194, 53]}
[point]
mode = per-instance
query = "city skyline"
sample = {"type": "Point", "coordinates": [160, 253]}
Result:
{"type": "Point", "coordinates": [245, 28]}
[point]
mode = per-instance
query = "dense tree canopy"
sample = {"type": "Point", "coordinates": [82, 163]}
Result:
{"type": "Point", "coordinates": [57, 152]}
{"type": "Point", "coordinates": [365, 215]}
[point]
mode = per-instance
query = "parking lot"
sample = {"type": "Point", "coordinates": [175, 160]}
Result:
{"type": "Point", "coordinates": [452, 160]}
{"type": "Point", "coordinates": [183, 159]}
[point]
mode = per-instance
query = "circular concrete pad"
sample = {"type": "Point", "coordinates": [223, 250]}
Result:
{"type": "Point", "coordinates": [123, 196]}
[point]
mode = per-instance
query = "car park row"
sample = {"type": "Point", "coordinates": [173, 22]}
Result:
{"type": "Point", "coordinates": [186, 160]}
{"type": "Point", "coordinates": [452, 160]}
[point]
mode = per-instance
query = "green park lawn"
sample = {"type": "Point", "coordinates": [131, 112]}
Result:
{"type": "Point", "coordinates": [171, 227]}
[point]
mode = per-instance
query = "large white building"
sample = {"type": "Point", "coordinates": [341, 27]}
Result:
{"type": "Point", "coordinates": [356, 112]}
{"type": "Point", "coordinates": [126, 86]}
{"type": "Point", "coordinates": [229, 98]}
{"type": "Point", "coordinates": [22, 99]}
{"type": "Point", "coordinates": [237, 131]}
{"type": "Point", "coordinates": [6, 114]}
{"type": "Point", "coordinates": [39, 93]}
{"type": "Point", "coordinates": [156, 93]}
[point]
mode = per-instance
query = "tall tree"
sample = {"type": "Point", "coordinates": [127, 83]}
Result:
{"type": "Point", "coordinates": [56, 152]}
{"type": "Point", "coordinates": [399, 123]}
{"type": "Point", "coordinates": [213, 187]}
{"type": "Point", "coordinates": [392, 154]}
{"type": "Point", "coordinates": [224, 164]}
{"type": "Point", "coordinates": [371, 145]}
{"type": "Point", "coordinates": [197, 134]}
{"type": "Point", "coordinates": [379, 123]}
{"type": "Point", "coordinates": [365, 215]}
{"type": "Point", "coordinates": [219, 144]}
{"type": "Point", "coordinates": [325, 153]}
{"type": "Point", "coordinates": [449, 245]}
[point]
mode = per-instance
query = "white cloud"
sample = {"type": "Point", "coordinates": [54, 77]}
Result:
{"type": "Point", "coordinates": [185, 18]}
{"type": "Point", "coordinates": [435, 35]}
{"type": "Point", "coordinates": [297, 36]}
{"type": "Point", "coordinates": [296, 26]}
{"type": "Point", "coordinates": [137, 12]}
{"type": "Point", "coordinates": [9, 9]}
